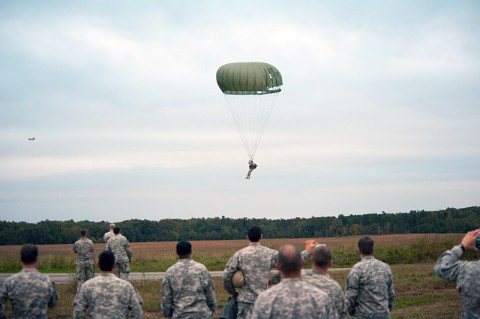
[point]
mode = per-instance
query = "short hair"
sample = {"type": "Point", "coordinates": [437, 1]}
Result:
{"type": "Point", "coordinates": [184, 248]}
{"type": "Point", "coordinates": [254, 234]}
{"type": "Point", "coordinates": [365, 245]}
{"type": "Point", "coordinates": [106, 260]}
{"type": "Point", "coordinates": [290, 259]}
{"type": "Point", "coordinates": [322, 255]}
{"type": "Point", "coordinates": [83, 232]}
{"type": "Point", "coordinates": [29, 254]}
{"type": "Point", "coordinates": [116, 230]}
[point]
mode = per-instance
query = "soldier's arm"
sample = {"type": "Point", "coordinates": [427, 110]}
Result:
{"type": "Point", "coordinates": [340, 304]}
{"type": "Point", "coordinates": [351, 291]}
{"type": "Point", "coordinates": [210, 292]}
{"type": "Point", "coordinates": [80, 305]}
{"type": "Point", "coordinates": [448, 266]}
{"type": "Point", "coordinates": [332, 312]}
{"type": "Point", "coordinates": [167, 298]}
{"type": "Point", "coordinates": [53, 295]}
{"type": "Point", "coordinates": [391, 292]}
{"type": "Point", "coordinates": [230, 268]}
{"type": "Point", "coordinates": [135, 306]}
{"type": "Point", "coordinates": [3, 300]}
{"type": "Point", "coordinates": [128, 250]}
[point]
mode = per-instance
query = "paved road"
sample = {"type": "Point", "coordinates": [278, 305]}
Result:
{"type": "Point", "coordinates": [135, 276]}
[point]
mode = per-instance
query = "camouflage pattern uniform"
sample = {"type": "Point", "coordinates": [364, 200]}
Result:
{"type": "Point", "coordinates": [369, 289]}
{"type": "Point", "coordinates": [467, 276]}
{"type": "Point", "coordinates": [294, 298]}
{"type": "Point", "coordinates": [31, 294]}
{"type": "Point", "coordinates": [107, 296]}
{"type": "Point", "coordinates": [83, 248]}
{"type": "Point", "coordinates": [120, 247]}
{"type": "Point", "coordinates": [333, 289]}
{"type": "Point", "coordinates": [255, 261]}
{"type": "Point", "coordinates": [188, 291]}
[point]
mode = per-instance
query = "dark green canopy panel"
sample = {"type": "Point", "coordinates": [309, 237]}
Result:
{"type": "Point", "coordinates": [249, 78]}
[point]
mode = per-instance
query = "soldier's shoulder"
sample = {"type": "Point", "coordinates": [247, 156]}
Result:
{"type": "Point", "coordinates": [380, 263]}
{"type": "Point", "coordinates": [358, 267]}
{"type": "Point", "coordinates": [199, 266]}
{"type": "Point", "coordinates": [171, 269]}
{"type": "Point", "coordinates": [270, 250]}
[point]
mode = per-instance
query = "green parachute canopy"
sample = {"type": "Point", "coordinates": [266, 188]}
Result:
{"type": "Point", "coordinates": [249, 78]}
{"type": "Point", "coordinates": [250, 90]}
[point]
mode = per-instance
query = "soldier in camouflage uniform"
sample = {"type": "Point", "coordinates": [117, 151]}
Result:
{"type": "Point", "coordinates": [109, 234]}
{"type": "Point", "coordinates": [83, 248]}
{"type": "Point", "coordinates": [188, 290]}
{"type": "Point", "coordinates": [466, 274]}
{"type": "Point", "coordinates": [255, 262]}
{"type": "Point", "coordinates": [120, 247]}
{"type": "Point", "coordinates": [107, 296]}
{"type": "Point", "coordinates": [319, 277]}
{"type": "Point", "coordinates": [293, 298]}
{"type": "Point", "coordinates": [369, 287]}
{"type": "Point", "coordinates": [30, 292]}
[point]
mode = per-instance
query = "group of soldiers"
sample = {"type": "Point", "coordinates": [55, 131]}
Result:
{"type": "Point", "coordinates": [188, 290]}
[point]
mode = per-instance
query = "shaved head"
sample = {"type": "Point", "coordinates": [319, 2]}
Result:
{"type": "Point", "coordinates": [290, 260]}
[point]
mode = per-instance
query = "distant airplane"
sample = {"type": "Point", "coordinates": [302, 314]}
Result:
{"type": "Point", "coordinates": [31, 138]}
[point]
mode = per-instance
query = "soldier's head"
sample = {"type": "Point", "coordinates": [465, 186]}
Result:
{"type": "Point", "coordinates": [365, 246]}
{"type": "Point", "coordinates": [254, 234]}
{"type": "Point", "coordinates": [106, 260]}
{"type": "Point", "coordinates": [29, 254]}
{"type": "Point", "coordinates": [83, 232]}
{"type": "Point", "coordinates": [184, 249]}
{"type": "Point", "coordinates": [116, 230]}
{"type": "Point", "coordinates": [290, 261]}
{"type": "Point", "coordinates": [112, 226]}
{"type": "Point", "coordinates": [322, 256]}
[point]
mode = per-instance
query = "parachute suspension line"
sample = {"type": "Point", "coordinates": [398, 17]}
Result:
{"type": "Point", "coordinates": [251, 114]}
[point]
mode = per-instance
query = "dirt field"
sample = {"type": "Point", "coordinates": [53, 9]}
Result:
{"type": "Point", "coordinates": [221, 247]}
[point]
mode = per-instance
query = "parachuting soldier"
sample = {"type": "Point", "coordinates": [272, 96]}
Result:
{"type": "Point", "coordinates": [30, 292]}
{"type": "Point", "coordinates": [250, 90]}
{"type": "Point", "coordinates": [251, 167]}
{"type": "Point", "coordinates": [83, 248]}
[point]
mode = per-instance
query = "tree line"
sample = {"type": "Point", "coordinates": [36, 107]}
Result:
{"type": "Point", "coordinates": [450, 220]}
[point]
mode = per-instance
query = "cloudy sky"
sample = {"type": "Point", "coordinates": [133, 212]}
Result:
{"type": "Point", "coordinates": [379, 111]}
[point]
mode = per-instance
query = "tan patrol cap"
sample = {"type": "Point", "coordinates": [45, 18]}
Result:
{"type": "Point", "coordinates": [112, 225]}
